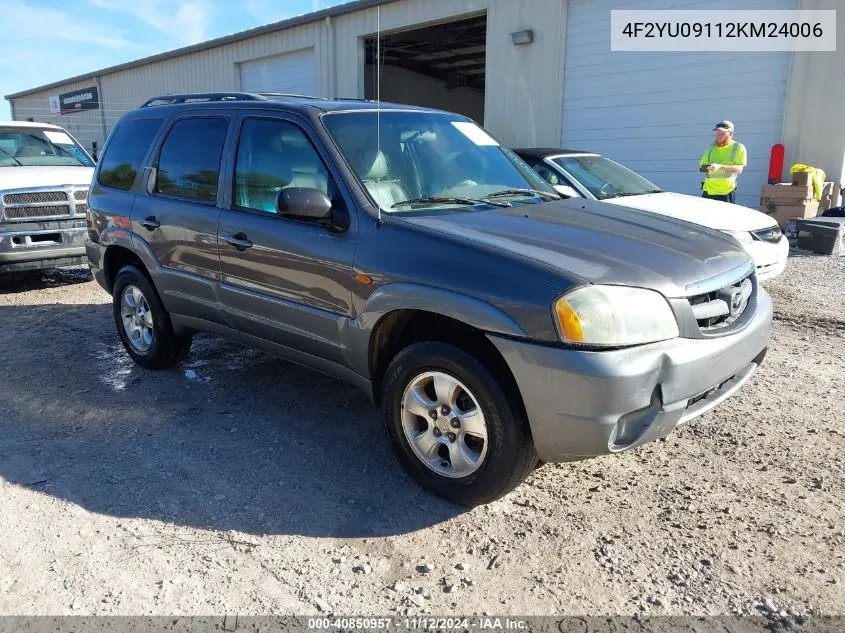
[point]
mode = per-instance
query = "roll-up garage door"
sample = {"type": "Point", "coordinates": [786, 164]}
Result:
{"type": "Point", "coordinates": [654, 112]}
{"type": "Point", "coordinates": [290, 73]}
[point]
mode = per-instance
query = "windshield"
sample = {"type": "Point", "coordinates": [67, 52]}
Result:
{"type": "Point", "coordinates": [36, 147]}
{"type": "Point", "coordinates": [429, 160]}
{"type": "Point", "coordinates": [605, 179]}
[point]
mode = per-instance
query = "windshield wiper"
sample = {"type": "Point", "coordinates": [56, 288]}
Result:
{"type": "Point", "coordinates": [439, 200]}
{"type": "Point", "coordinates": [546, 195]}
{"type": "Point", "coordinates": [623, 194]}
{"type": "Point", "coordinates": [17, 162]}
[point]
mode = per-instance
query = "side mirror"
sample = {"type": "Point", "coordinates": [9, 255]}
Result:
{"type": "Point", "coordinates": [309, 205]}
{"type": "Point", "coordinates": [567, 191]}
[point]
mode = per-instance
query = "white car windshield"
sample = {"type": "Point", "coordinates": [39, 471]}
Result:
{"type": "Point", "coordinates": [604, 178]}
{"type": "Point", "coordinates": [428, 160]}
{"type": "Point", "coordinates": [37, 147]}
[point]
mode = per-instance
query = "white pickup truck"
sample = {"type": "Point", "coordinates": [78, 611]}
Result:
{"type": "Point", "coordinates": [44, 178]}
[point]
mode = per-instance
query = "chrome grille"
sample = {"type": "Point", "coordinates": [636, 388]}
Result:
{"type": "Point", "coordinates": [31, 197]}
{"type": "Point", "coordinates": [42, 203]}
{"type": "Point", "coordinates": [720, 308]}
{"type": "Point", "coordinates": [28, 213]}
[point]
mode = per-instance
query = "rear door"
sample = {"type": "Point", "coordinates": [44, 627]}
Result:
{"type": "Point", "coordinates": [177, 212]}
{"type": "Point", "coordinates": [285, 281]}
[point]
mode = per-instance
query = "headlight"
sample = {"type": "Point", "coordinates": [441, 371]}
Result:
{"type": "Point", "coordinates": [614, 316]}
{"type": "Point", "coordinates": [743, 237]}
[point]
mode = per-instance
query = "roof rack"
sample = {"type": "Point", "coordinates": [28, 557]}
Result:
{"type": "Point", "coordinates": [287, 94]}
{"type": "Point", "coordinates": [199, 97]}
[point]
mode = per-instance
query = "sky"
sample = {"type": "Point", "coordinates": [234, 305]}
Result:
{"type": "Point", "coordinates": [50, 40]}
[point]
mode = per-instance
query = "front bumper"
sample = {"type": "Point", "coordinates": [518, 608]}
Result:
{"type": "Point", "coordinates": [25, 247]}
{"type": "Point", "coordinates": [770, 259]}
{"type": "Point", "coordinates": [582, 403]}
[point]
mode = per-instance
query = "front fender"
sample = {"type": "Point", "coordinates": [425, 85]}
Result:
{"type": "Point", "coordinates": [409, 296]}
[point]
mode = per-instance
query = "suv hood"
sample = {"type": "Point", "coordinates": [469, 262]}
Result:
{"type": "Point", "coordinates": [714, 214]}
{"type": "Point", "coordinates": [598, 243]}
{"type": "Point", "coordinates": [19, 177]}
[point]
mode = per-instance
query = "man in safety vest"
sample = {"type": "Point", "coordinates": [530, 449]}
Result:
{"type": "Point", "coordinates": [722, 163]}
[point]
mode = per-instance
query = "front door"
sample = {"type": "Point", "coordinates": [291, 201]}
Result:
{"type": "Point", "coordinates": [288, 282]}
{"type": "Point", "coordinates": [177, 215]}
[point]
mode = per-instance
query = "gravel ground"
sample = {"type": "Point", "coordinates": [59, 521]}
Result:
{"type": "Point", "coordinates": [242, 484]}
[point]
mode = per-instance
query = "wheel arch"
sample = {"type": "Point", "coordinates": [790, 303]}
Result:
{"type": "Point", "coordinates": [115, 258]}
{"type": "Point", "coordinates": [398, 315]}
{"type": "Point", "coordinates": [120, 253]}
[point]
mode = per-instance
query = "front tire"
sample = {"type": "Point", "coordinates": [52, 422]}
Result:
{"type": "Point", "coordinates": [453, 425]}
{"type": "Point", "coordinates": [143, 324]}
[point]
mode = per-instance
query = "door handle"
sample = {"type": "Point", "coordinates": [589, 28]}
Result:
{"type": "Point", "coordinates": [239, 241]}
{"type": "Point", "coordinates": [150, 223]}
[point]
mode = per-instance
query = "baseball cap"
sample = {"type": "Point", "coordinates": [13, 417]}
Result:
{"type": "Point", "coordinates": [724, 125]}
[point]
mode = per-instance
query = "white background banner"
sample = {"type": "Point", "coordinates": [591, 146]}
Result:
{"type": "Point", "coordinates": [642, 30]}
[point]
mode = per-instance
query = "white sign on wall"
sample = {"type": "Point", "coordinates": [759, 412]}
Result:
{"type": "Point", "coordinates": [55, 105]}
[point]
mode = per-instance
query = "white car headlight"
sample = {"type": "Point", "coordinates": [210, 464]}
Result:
{"type": "Point", "coordinates": [743, 237]}
{"type": "Point", "coordinates": [613, 316]}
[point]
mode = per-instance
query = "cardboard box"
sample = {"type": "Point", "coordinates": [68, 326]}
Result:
{"type": "Point", "coordinates": [782, 212]}
{"type": "Point", "coordinates": [825, 204]}
{"type": "Point", "coordinates": [802, 178]}
{"type": "Point", "coordinates": [827, 189]}
{"type": "Point", "coordinates": [834, 195]}
{"type": "Point", "coordinates": [785, 191]}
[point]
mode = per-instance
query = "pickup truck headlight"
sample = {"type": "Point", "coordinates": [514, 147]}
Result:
{"type": "Point", "coordinates": [743, 237]}
{"type": "Point", "coordinates": [613, 316]}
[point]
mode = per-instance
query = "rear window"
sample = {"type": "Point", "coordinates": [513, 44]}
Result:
{"type": "Point", "coordinates": [125, 152]}
{"type": "Point", "coordinates": [190, 159]}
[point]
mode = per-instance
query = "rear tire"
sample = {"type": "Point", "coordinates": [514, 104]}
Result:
{"type": "Point", "coordinates": [478, 448]}
{"type": "Point", "coordinates": [143, 324]}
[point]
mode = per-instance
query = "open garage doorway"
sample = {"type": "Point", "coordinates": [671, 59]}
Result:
{"type": "Point", "coordinates": [437, 66]}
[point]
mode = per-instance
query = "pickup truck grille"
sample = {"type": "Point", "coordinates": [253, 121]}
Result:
{"type": "Point", "coordinates": [34, 197]}
{"type": "Point", "coordinates": [722, 307]}
{"type": "Point", "coordinates": [29, 213]}
{"type": "Point", "coordinates": [26, 205]}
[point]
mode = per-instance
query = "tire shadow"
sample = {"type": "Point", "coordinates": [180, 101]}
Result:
{"type": "Point", "coordinates": [234, 440]}
{"type": "Point", "coordinates": [25, 281]}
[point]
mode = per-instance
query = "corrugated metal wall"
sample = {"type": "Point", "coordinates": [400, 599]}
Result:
{"type": "Point", "coordinates": [86, 125]}
{"type": "Point", "coordinates": [525, 115]}
{"type": "Point", "coordinates": [523, 99]}
{"type": "Point", "coordinates": [210, 70]}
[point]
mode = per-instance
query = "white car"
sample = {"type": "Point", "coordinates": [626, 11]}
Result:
{"type": "Point", "coordinates": [44, 179]}
{"type": "Point", "coordinates": [595, 177]}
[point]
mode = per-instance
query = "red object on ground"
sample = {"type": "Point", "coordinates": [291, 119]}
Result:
{"type": "Point", "coordinates": [776, 164]}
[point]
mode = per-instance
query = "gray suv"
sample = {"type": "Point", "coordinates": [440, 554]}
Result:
{"type": "Point", "coordinates": [408, 252]}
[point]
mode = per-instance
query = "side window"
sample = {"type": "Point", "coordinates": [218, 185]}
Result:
{"type": "Point", "coordinates": [126, 150]}
{"type": "Point", "coordinates": [272, 156]}
{"type": "Point", "coordinates": [189, 163]}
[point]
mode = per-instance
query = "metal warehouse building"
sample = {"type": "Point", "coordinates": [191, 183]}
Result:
{"type": "Point", "coordinates": [534, 72]}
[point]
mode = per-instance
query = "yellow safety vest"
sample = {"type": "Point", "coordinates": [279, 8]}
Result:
{"type": "Point", "coordinates": [816, 173]}
{"type": "Point", "coordinates": [720, 183]}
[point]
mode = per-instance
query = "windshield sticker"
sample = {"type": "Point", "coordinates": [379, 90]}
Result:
{"type": "Point", "coordinates": [80, 156]}
{"type": "Point", "coordinates": [474, 133]}
{"type": "Point", "coordinates": [59, 138]}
